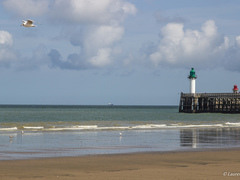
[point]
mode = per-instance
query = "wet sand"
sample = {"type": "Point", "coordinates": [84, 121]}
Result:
{"type": "Point", "coordinates": [210, 164]}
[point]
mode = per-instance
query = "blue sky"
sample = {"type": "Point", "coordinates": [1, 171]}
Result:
{"type": "Point", "coordinates": [127, 52]}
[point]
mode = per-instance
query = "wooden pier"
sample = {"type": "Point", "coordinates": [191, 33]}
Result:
{"type": "Point", "coordinates": [209, 102]}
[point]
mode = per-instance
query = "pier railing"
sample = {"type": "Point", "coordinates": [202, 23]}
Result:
{"type": "Point", "coordinates": [210, 94]}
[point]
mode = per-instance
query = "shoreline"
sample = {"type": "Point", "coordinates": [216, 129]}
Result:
{"type": "Point", "coordinates": [72, 144]}
{"type": "Point", "coordinates": [198, 164]}
{"type": "Point", "coordinates": [126, 153]}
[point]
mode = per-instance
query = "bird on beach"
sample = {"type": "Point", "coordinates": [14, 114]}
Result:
{"type": "Point", "coordinates": [28, 23]}
{"type": "Point", "coordinates": [120, 134]}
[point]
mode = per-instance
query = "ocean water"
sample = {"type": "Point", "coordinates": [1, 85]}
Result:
{"type": "Point", "coordinates": [36, 131]}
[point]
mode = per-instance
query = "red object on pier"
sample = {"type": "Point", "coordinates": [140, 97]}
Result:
{"type": "Point", "coordinates": [235, 88]}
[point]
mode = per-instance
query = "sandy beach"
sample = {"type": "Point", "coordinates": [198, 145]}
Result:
{"type": "Point", "coordinates": [210, 164]}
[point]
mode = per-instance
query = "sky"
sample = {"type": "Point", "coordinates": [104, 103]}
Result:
{"type": "Point", "coordinates": [125, 52]}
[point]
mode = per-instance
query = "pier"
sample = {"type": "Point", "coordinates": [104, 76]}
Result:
{"type": "Point", "coordinates": [209, 102]}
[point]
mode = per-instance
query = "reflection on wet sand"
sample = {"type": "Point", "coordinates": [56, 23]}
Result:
{"type": "Point", "coordinates": [210, 138]}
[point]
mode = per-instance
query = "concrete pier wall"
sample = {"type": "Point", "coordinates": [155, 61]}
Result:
{"type": "Point", "coordinates": [209, 102]}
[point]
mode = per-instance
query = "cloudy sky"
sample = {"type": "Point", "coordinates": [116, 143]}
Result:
{"type": "Point", "coordinates": [127, 52]}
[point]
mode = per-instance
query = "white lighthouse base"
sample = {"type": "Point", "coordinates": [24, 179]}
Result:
{"type": "Point", "coordinates": [192, 85]}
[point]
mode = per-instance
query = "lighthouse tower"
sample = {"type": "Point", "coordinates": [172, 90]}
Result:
{"type": "Point", "coordinates": [235, 89]}
{"type": "Point", "coordinates": [192, 77]}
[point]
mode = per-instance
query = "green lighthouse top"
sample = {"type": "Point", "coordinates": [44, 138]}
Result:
{"type": "Point", "coordinates": [192, 74]}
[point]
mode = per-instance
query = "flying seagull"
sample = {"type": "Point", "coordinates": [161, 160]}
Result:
{"type": "Point", "coordinates": [28, 23]}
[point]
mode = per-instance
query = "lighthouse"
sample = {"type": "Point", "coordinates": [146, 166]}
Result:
{"type": "Point", "coordinates": [192, 77]}
{"type": "Point", "coordinates": [235, 89]}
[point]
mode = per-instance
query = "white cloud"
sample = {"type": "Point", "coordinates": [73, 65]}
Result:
{"type": "Point", "coordinates": [6, 53]}
{"type": "Point", "coordinates": [232, 56]}
{"type": "Point", "coordinates": [104, 35]}
{"type": "Point", "coordinates": [5, 38]}
{"type": "Point", "coordinates": [73, 11]}
{"type": "Point", "coordinates": [97, 38]}
{"type": "Point", "coordinates": [102, 58]}
{"type": "Point", "coordinates": [179, 47]}
{"type": "Point", "coordinates": [92, 11]}
{"type": "Point", "coordinates": [209, 29]}
{"type": "Point", "coordinates": [10, 58]}
{"type": "Point", "coordinates": [99, 21]}
{"type": "Point", "coordinates": [238, 41]}
{"type": "Point", "coordinates": [99, 44]}
{"type": "Point", "coordinates": [26, 8]}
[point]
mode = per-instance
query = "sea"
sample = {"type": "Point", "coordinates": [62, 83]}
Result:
{"type": "Point", "coordinates": [41, 131]}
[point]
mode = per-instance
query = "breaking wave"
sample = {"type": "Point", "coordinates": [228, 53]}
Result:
{"type": "Point", "coordinates": [113, 128]}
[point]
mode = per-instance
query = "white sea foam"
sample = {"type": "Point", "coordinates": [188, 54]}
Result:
{"type": "Point", "coordinates": [232, 124]}
{"type": "Point", "coordinates": [146, 126]}
{"type": "Point", "coordinates": [174, 124]}
{"type": "Point", "coordinates": [88, 127]}
{"type": "Point", "coordinates": [53, 129]}
{"type": "Point", "coordinates": [203, 125]}
{"type": "Point", "coordinates": [69, 128]}
{"type": "Point", "coordinates": [93, 127]}
{"type": "Point", "coordinates": [115, 128]}
{"type": "Point", "coordinates": [149, 126]}
{"type": "Point", "coordinates": [32, 127]}
{"type": "Point", "coordinates": [81, 127]}
{"type": "Point", "coordinates": [9, 129]}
